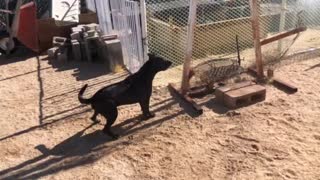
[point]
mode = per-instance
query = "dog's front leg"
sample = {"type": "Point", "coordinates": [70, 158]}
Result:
{"type": "Point", "coordinates": [145, 109]}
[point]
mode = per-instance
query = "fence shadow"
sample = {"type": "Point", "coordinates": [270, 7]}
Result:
{"type": "Point", "coordinates": [53, 121]}
{"type": "Point", "coordinates": [82, 70]}
{"type": "Point", "coordinates": [313, 67]}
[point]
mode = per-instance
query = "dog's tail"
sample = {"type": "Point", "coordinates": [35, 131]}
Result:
{"type": "Point", "coordinates": [81, 99]}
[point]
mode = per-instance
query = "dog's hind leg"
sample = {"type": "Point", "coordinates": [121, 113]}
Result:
{"type": "Point", "coordinates": [94, 117]}
{"type": "Point", "coordinates": [111, 114]}
{"type": "Point", "coordinates": [145, 109]}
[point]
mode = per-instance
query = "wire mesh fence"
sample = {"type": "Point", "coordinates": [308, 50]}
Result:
{"type": "Point", "coordinates": [219, 22]}
{"type": "Point", "coordinates": [167, 32]}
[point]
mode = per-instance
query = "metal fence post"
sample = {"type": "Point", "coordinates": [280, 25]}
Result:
{"type": "Point", "coordinates": [190, 36]}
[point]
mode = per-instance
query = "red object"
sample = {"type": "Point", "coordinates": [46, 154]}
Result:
{"type": "Point", "coordinates": [27, 32]}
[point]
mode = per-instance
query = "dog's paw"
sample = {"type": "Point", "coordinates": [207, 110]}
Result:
{"type": "Point", "coordinates": [148, 116]}
{"type": "Point", "coordinates": [111, 134]}
{"type": "Point", "coordinates": [151, 115]}
{"type": "Point", "coordinates": [96, 121]}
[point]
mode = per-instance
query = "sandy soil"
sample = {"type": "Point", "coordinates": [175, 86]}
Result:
{"type": "Point", "coordinates": [46, 134]}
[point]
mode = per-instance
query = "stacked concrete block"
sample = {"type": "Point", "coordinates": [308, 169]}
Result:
{"type": "Point", "coordinates": [76, 50]}
{"type": "Point", "coordinates": [52, 52]}
{"type": "Point", "coordinates": [76, 42]}
{"type": "Point", "coordinates": [58, 49]}
{"type": "Point", "coordinates": [62, 56]}
{"type": "Point", "coordinates": [84, 40]}
{"type": "Point", "coordinates": [76, 36]}
{"type": "Point", "coordinates": [87, 44]}
{"type": "Point", "coordinates": [59, 41]}
{"type": "Point", "coordinates": [79, 28]}
{"type": "Point", "coordinates": [92, 26]}
{"type": "Point", "coordinates": [91, 47]}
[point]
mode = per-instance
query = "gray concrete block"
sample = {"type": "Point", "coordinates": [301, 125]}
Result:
{"type": "Point", "coordinates": [83, 51]}
{"type": "Point", "coordinates": [76, 50]}
{"type": "Point", "coordinates": [108, 37]}
{"type": "Point", "coordinates": [59, 41]}
{"type": "Point", "coordinates": [76, 36]}
{"type": "Point", "coordinates": [62, 56]}
{"type": "Point", "coordinates": [52, 52]}
{"type": "Point", "coordinates": [76, 29]}
{"type": "Point", "coordinates": [90, 27]}
{"type": "Point", "coordinates": [91, 48]}
{"type": "Point", "coordinates": [91, 33]}
{"type": "Point", "coordinates": [79, 28]}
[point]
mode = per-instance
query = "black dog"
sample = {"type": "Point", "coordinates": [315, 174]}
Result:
{"type": "Point", "coordinates": [136, 88]}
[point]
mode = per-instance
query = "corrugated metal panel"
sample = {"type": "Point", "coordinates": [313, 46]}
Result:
{"type": "Point", "coordinates": [104, 15]}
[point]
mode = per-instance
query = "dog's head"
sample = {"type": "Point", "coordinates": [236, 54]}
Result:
{"type": "Point", "coordinates": [158, 63]}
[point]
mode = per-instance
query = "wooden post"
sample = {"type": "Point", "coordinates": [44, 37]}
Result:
{"type": "Point", "coordinates": [188, 56]}
{"type": "Point", "coordinates": [282, 35]}
{"type": "Point", "coordinates": [282, 22]}
{"type": "Point", "coordinates": [255, 7]}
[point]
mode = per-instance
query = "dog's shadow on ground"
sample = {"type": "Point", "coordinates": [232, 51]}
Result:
{"type": "Point", "coordinates": [82, 149]}
{"type": "Point", "coordinates": [76, 150]}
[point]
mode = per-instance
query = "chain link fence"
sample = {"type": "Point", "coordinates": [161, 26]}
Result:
{"type": "Point", "coordinates": [218, 22]}
{"type": "Point", "coordinates": [167, 32]}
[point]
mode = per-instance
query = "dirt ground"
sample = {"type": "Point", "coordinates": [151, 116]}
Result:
{"type": "Point", "coordinates": [46, 134]}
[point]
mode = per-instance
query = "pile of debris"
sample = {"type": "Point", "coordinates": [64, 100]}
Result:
{"type": "Point", "coordinates": [87, 43]}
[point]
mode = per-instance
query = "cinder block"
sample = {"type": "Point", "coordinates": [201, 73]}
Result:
{"type": "Point", "coordinates": [83, 51]}
{"type": "Point", "coordinates": [76, 50]}
{"type": "Point", "coordinates": [109, 37]}
{"type": "Point", "coordinates": [77, 29]}
{"type": "Point", "coordinates": [240, 94]}
{"type": "Point", "coordinates": [52, 52]}
{"type": "Point", "coordinates": [59, 41]}
{"type": "Point", "coordinates": [76, 36]}
{"type": "Point", "coordinates": [91, 48]}
{"type": "Point", "coordinates": [90, 27]}
{"type": "Point", "coordinates": [62, 56]}
{"type": "Point", "coordinates": [91, 33]}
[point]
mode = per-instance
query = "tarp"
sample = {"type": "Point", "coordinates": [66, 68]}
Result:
{"type": "Point", "coordinates": [27, 32]}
